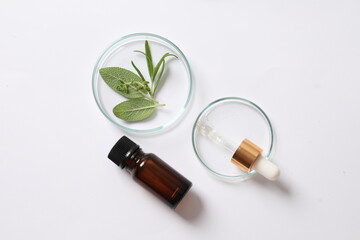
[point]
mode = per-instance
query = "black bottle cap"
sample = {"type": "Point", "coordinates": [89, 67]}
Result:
{"type": "Point", "coordinates": [122, 150]}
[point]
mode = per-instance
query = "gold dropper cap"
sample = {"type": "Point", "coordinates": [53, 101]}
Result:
{"type": "Point", "coordinates": [246, 155]}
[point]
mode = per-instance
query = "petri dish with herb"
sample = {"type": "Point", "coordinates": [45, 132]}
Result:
{"type": "Point", "coordinates": [142, 102]}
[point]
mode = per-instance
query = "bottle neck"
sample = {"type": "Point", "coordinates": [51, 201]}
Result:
{"type": "Point", "coordinates": [134, 160]}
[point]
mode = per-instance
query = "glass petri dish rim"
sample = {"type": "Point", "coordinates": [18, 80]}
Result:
{"type": "Point", "coordinates": [244, 101]}
{"type": "Point", "coordinates": [189, 76]}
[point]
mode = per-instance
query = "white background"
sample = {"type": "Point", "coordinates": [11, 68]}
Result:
{"type": "Point", "coordinates": [298, 60]}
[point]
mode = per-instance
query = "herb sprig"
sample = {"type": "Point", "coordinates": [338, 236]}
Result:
{"type": "Point", "coordinates": [141, 95]}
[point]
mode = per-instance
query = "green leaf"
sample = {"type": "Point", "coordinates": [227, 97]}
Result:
{"type": "Point", "coordinates": [119, 80]}
{"type": "Point", "coordinates": [138, 71]}
{"type": "Point", "coordinates": [156, 69]}
{"type": "Point", "coordinates": [134, 110]}
{"type": "Point", "coordinates": [140, 52]}
{"type": "Point", "coordinates": [160, 76]}
{"type": "Point", "coordinates": [149, 60]}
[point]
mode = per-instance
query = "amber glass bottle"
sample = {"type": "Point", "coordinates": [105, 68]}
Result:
{"type": "Point", "coordinates": [150, 171]}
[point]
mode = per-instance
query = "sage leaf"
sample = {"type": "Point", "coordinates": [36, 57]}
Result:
{"type": "Point", "coordinates": [156, 69]}
{"type": "Point", "coordinates": [149, 60]}
{"type": "Point", "coordinates": [141, 104]}
{"type": "Point", "coordinates": [134, 110]}
{"type": "Point", "coordinates": [140, 52]}
{"type": "Point", "coordinates": [160, 76]}
{"type": "Point", "coordinates": [122, 81]}
{"type": "Point", "coordinates": [138, 71]}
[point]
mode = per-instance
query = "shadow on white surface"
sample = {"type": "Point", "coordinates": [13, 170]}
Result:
{"type": "Point", "coordinates": [278, 185]}
{"type": "Point", "coordinates": [191, 207]}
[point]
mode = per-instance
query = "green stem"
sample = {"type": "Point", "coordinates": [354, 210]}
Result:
{"type": "Point", "coordinates": [159, 105]}
{"type": "Point", "coordinates": [149, 98]}
{"type": "Point", "coordinates": [147, 107]}
{"type": "Point", "coordinates": [145, 95]}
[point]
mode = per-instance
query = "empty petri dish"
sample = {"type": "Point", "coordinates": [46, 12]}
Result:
{"type": "Point", "coordinates": [175, 89]}
{"type": "Point", "coordinates": [234, 119]}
